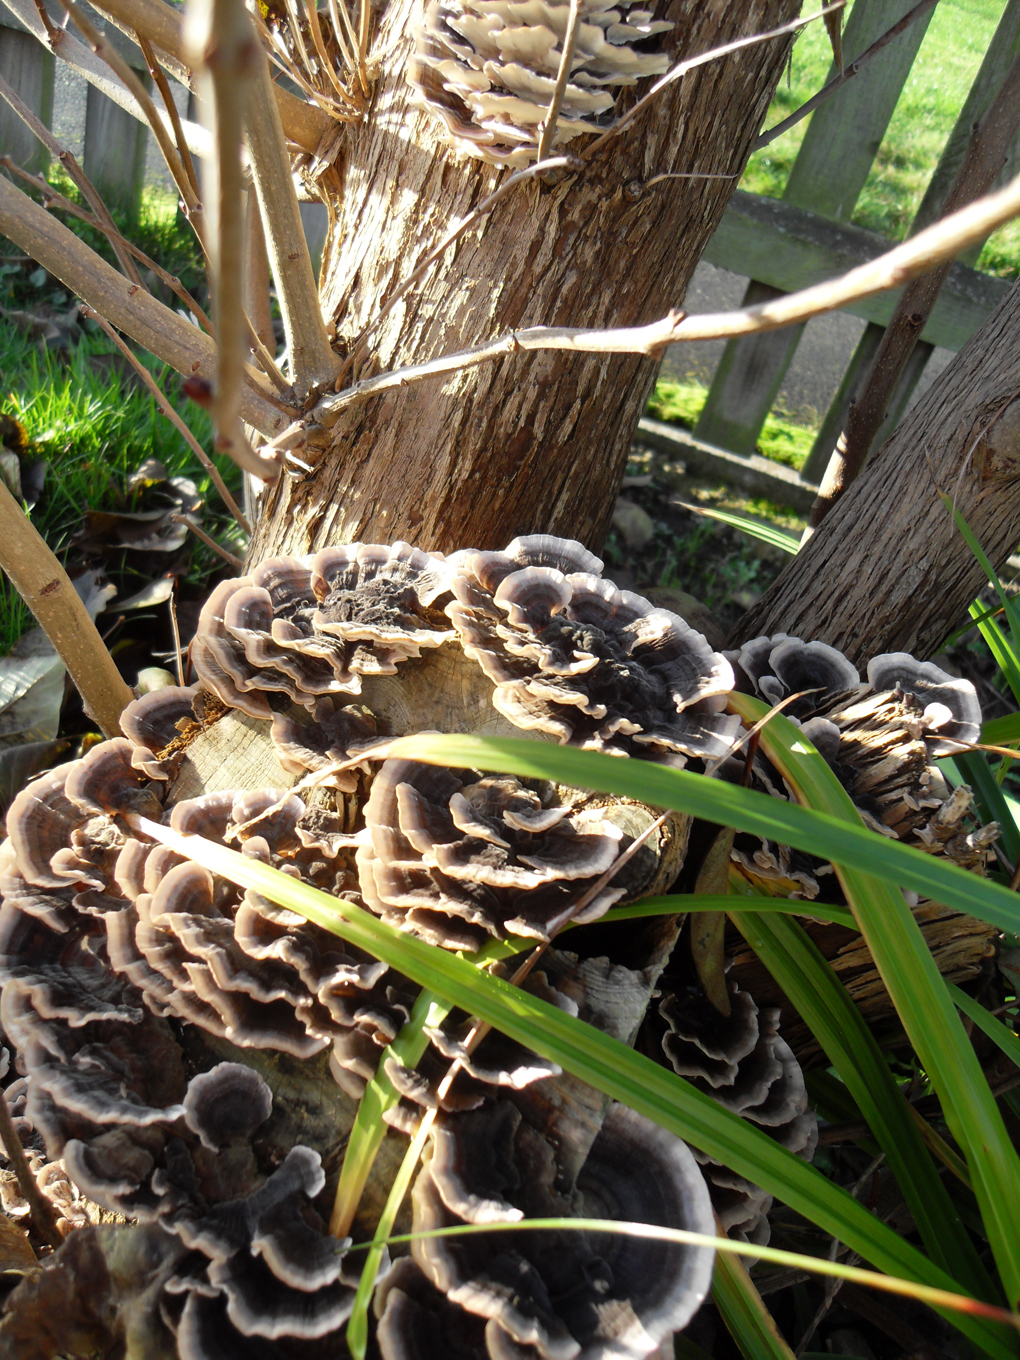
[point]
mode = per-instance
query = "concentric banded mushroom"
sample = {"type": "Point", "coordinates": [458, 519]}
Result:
{"type": "Point", "coordinates": [486, 69]}
{"type": "Point", "coordinates": [590, 665]}
{"type": "Point", "coordinates": [742, 1062]}
{"type": "Point", "coordinates": [561, 1295]}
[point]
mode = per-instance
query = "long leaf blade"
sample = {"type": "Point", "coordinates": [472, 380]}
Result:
{"type": "Point", "coordinates": [918, 992]}
{"type": "Point", "coordinates": [602, 1062]}
{"type": "Point", "coordinates": [818, 833]}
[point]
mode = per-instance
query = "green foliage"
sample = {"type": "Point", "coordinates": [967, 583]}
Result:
{"type": "Point", "coordinates": [781, 440]}
{"type": "Point", "coordinates": [954, 44]}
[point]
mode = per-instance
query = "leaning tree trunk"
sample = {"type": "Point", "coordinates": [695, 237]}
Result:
{"type": "Point", "coordinates": [887, 569]}
{"type": "Point", "coordinates": [528, 443]}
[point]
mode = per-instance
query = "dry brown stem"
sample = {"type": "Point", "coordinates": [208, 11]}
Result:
{"type": "Point", "coordinates": [208, 541]}
{"type": "Point", "coordinates": [157, 124]}
{"type": "Point", "coordinates": [52, 199]}
{"type": "Point", "coordinates": [311, 359]}
{"type": "Point", "coordinates": [161, 83]}
{"type": "Point", "coordinates": [223, 49]}
{"type": "Point", "coordinates": [162, 26]}
{"type": "Point", "coordinates": [96, 71]}
{"type": "Point", "coordinates": [128, 308]}
{"type": "Point", "coordinates": [547, 128]}
{"type": "Point", "coordinates": [45, 587]}
{"type": "Point", "coordinates": [941, 241]}
{"type": "Point", "coordinates": [164, 408]}
{"type": "Point", "coordinates": [42, 1210]}
{"type": "Point", "coordinates": [986, 154]}
{"type": "Point", "coordinates": [846, 73]}
{"type": "Point", "coordinates": [91, 195]}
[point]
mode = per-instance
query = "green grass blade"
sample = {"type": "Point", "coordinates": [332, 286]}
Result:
{"type": "Point", "coordinates": [970, 538]}
{"type": "Point", "coordinates": [818, 833]}
{"type": "Point", "coordinates": [599, 1060]}
{"type": "Point", "coordinates": [999, 1033]}
{"type": "Point", "coordinates": [807, 979]}
{"type": "Point", "coordinates": [755, 528]}
{"type": "Point", "coordinates": [369, 1128]}
{"type": "Point", "coordinates": [1001, 649]}
{"type": "Point", "coordinates": [667, 906]}
{"type": "Point", "coordinates": [1001, 731]}
{"type": "Point", "coordinates": [919, 994]}
{"type": "Point", "coordinates": [741, 1308]}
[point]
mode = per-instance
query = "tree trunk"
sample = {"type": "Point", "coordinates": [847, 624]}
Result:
{"type": "Point", "coordinates": [529, 443]}
{"type": "Point", "coordinates": [887, 569]}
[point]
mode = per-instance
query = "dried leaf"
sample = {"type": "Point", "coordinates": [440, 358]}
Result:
{"type": "Point", "coordinates": [708, 928]}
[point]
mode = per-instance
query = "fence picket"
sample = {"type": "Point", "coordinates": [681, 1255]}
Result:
{"type": "Point", "coordinates": [828, 175]}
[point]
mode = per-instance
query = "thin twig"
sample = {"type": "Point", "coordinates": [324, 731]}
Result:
{"type": "Point", "coordinates": [848, 72]}
{"type": "Point", "coordinates": [209, 542]}
{"type": "Point", "coordinates": [45, 587]}
{"type": "Point", "coordinates": [178, 660]}
{"type": "Point", "coordinates": [566, 162]}
{"type": "Point", "coordinates": [164, 408]}
{"type": "Point", "coordinates": [160, 81]}
{"type": "Point", "coordinates": [42, 1210]}
{"type": "Point", "coordinates": [128, 77]}
{"type": "Point", "coordinates": [942, 240]}
{"type": "Point", "coordinates": [88, 190]}
{"type": "Point", "coordinates": [986, 154]}
{"type": "Point", "coordinates": [226, 53]}
{"type": "Point", "coordinates": [155, 327]}
{"type": "Point", "coordinates": [547, 128]}
{"type": "Point", "coordinates": [320, 47]}
{"type": "Point", "coordinates": [683, 67]}
{"type": "Point", "coordinates": [54, 199]}
{"type": "Point", "coordinates": [267, 361]}
{"type": "Point", "coordinates": [364, 25]}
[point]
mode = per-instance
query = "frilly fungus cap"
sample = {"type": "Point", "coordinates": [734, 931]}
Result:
{"type": "Point", "coordinates": [562, 1295]}
{"type": "Point", "coordinates": [486, 70]}
{"type": "Point", "coordinates": [459, 857]}
{"type": "Point", "coordinates": [590, 665]}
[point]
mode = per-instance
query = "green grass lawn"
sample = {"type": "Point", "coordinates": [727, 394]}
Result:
{"type": "Point", "coordinates": [950, 55]}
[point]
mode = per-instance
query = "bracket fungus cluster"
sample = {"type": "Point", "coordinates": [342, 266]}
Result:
{"type": "Point", "coordinates": [486, 69]}
{"type": "Point", "coordinates": [146, 1000]}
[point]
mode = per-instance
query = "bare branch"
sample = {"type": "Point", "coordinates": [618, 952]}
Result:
{"type": "Point", "coordinates": [161, 83]}
{"type": "Point", "coordinates": [547, 129]}
{"type": "Point", "coordinates": [683, 67]}
{"type": "Point", "coordinates": [157, 124]}
{"type": "Point", "coordinates": [45, 587]}
{"type": "Point", "coordinates": [127, 307]}
{"type": "Point", "coordinates": [164, 408]}
{"type": "Point", "coordinates": [97, 73]}
{"type": "Point", "coordinates": [846, 73]}
{"type": "Point", "coordinates": [986, 154]}
{"type": "Point", "coordinates": [941, 241]}
{"type": "Point", "coordinates": [209, 542]}
{"type": "Point", "coordinates": [223, 49]}
{"type": "Point", "coordinates": [78, 175]}
{"type": "Point", "coordinates": [312, 361]}
{"type": "Point", "coordinates": [162, 26]}
{"type": "Point", "coordinates": [53, 199]}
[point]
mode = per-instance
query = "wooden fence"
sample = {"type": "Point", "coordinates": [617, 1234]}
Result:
{"type": "Point", "coordinates": [780, 244]}
{"type": "Point", "coordinates": [806, 236]}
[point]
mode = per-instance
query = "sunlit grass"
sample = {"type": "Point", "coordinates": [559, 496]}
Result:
{"type": "Point", "coordinates": [781, 440]}
{"type": "Point", "coordinates": [950, 55]}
